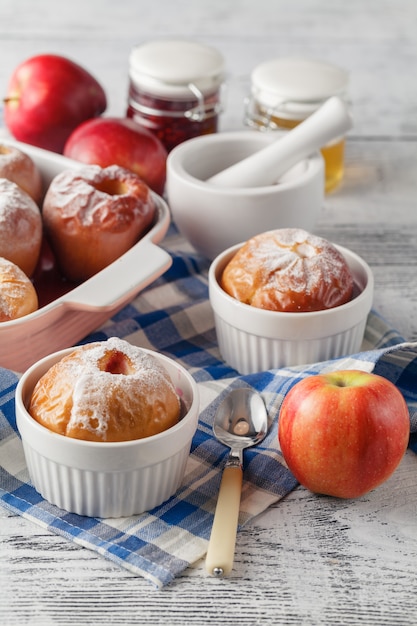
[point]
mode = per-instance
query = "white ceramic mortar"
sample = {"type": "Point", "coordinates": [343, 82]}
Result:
{"type": "Point", "coordinates": [214, 218]}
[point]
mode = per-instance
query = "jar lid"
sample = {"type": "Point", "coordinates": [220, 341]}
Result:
{"type": "Point", "coordinates": [167, 68]}
{"type": "Point", "coordinates": [296, 87]}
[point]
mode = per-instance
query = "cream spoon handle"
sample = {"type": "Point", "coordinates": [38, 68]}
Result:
{"type": "Point", "coordinates": [221, 549]}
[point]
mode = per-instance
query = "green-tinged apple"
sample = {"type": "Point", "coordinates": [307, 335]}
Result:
{"type": "Point", "coordinates": [343, 433]}
{"type": "Point", "coordinates": [47, 97]}
{"type": "Point", "coordinates": [120, 141]}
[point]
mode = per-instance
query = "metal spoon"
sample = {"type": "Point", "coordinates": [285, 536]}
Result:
{"type": "Point", "coordinates": [241, 421]}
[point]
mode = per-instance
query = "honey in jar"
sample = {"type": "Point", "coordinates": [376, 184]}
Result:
{"type": "Point", "coordinates": [284, 92]}
{"type": "Point", "coordinates": [175, 89]}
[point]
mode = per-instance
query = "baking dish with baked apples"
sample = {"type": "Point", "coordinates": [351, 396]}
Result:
{"type": "Point", "coordinates": [63, 319]}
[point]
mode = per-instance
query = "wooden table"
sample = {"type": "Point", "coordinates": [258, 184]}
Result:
{"type": "Point", "coordinates": [308, 560]}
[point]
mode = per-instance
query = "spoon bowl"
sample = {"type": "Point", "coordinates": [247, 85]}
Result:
{"type": "Point", "coordinates": [241, 421]}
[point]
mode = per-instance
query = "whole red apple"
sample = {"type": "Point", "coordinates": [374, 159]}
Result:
{"type": "Point", "coordinates": [343, 433]}
{"type": "Point", "coordinates": [120, 141]}
{"type": "Point", "coordinates": [47, 97]}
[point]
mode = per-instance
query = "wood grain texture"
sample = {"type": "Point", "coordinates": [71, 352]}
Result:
{"type": "Point", "coordinates": [308, 560]}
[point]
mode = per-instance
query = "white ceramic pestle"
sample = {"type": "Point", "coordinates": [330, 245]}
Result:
{"type": "Point", "coordinates": [265, 167]}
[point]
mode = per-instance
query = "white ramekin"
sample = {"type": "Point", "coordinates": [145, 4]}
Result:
{"type": "Point", "coordinates": [253, 340]}
{"type": "Point", "coordinates": [114, 479]}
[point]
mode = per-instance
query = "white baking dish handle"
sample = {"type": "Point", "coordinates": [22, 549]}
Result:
{"type": "Point", "coordinates": [120, 279]}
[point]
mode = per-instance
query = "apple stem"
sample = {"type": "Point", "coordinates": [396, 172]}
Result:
{"type": "Point", "coordinates": [8, 99]}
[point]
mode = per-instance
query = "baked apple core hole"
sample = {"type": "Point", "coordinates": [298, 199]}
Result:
{"type": "Point", "coordinates": [115, 362]}
{"type": "Point", "coordinates": [111, 187]}
{"type": "Point", "coordinates": [304, 250]}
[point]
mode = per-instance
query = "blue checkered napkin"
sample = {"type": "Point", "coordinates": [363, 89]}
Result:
{"type": "Point", "coordinates": [174, 317]}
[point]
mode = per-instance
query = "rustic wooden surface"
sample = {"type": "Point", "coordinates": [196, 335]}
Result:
{"type": "Point", "coordinates": [308, 560]}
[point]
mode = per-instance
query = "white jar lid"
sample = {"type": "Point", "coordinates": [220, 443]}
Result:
{"type": "Point", "coordinates": [296, 87]}
{"type": "Point", "coordinates": [168, 67]}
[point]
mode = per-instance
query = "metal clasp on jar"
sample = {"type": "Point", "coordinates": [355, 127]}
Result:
{"type": "Point", "coordinates": [271, 117]}
{"type": "Point", "coordinates": [204, 109]}
{"type": "Point", "coordinates": [258, 118]}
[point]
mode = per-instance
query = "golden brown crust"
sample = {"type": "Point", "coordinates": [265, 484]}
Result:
{"type": "Point", "coordinates": [20, 227]}
{"type": "Point", "coordinates": [288, 270]}
{"type": "Point", "coordinates": [106, 391]}
{"type": "Point", "coordinates": [94, 215]}
{"type": "Point", "coordinates": [17, 294]}
{"type": "Point", "coordinates": [18, 167]}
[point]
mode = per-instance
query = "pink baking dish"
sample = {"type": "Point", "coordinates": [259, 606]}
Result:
{"type": "Point", "coordinates": [66, 319]}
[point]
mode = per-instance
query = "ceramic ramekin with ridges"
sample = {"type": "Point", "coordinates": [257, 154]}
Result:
{"type": "Point", "coordinates": [107, 479]}
{"type": "Point", "coordinates": [253, 340]}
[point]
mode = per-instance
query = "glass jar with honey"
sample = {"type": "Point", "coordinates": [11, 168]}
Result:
{"type": "Point", "coordinates": [285, 91]}
{"type": "Point", "coordinates": [175, 89]}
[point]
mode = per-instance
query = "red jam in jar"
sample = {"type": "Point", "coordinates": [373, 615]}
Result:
{"type": "Point", "coordinates": [174, 89]}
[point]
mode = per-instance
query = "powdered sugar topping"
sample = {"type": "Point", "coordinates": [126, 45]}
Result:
{"type": "Point", "coordinates": [94, 384]}
{"type": "Point", "coordinates": [288, 269]}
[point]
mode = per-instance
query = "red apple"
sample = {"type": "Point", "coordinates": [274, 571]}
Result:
{"type": "Point", "coordinates": [120, 141]}
{"type": "Point", "coordinates": [343, 433]}
{"type": "Point", "coordinates": [47, 97]}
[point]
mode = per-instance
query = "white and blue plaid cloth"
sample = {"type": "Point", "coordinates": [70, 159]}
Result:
{"type": "Point", "coordinates": [173, 316]}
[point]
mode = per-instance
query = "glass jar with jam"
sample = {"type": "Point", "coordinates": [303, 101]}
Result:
{"type": "Point", "coordinates": [175, 89]}
{"type": "Point", "coordinates": [285, 91]}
